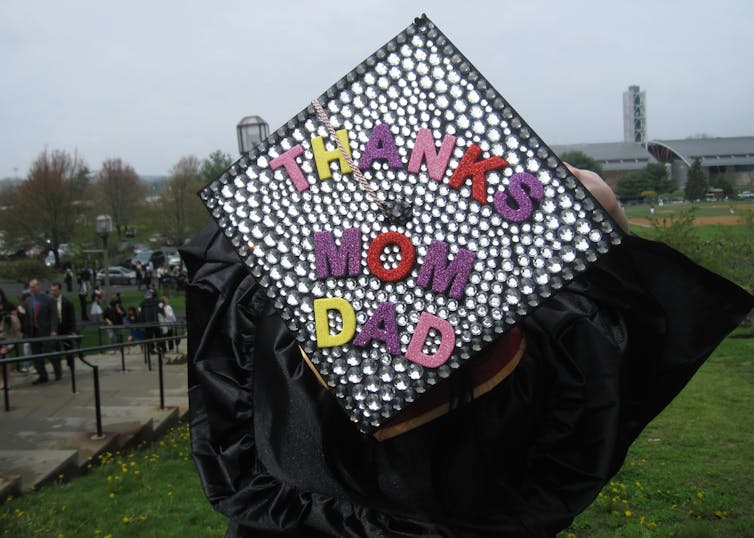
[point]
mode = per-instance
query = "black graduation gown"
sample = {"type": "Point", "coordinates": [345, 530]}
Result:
{"type": "Point", "coordinates": [276, 453]}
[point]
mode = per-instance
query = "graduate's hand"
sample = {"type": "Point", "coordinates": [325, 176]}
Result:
{"type": "Point", "coordinates": [603, 193]}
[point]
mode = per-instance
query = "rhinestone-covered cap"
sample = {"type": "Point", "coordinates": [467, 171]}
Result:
{"type": "Point", "coordinates": [389, 292]}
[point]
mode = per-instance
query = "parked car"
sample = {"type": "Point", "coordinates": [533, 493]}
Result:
{"type": "Point", "coordinates": [165, 257]}
{"type": "Point", "coordinates": [142, 257]}
{"type": "Point", "coordinates": [118, 275]}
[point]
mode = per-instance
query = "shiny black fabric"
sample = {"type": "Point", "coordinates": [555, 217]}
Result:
{"type": "Point", "coordinates": [278, 456]}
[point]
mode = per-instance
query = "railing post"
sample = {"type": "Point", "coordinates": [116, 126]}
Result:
{"type": "Point", "coordinates": [97, 403]}
{"type": "Point", "coordinates": [162, 384]}
{"type": "Point", "coordinates": [72, 368]}
{"type": "Point", "coordinates": [6, 396]}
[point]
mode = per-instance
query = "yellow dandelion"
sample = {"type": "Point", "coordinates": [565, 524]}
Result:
{"type": "Point", "coordinates": [628, 513]}
{"type": "Point", "coordinates": [125, 519]}
{"type": "Point", "coordinates": [642, 519]}
{"type": "Point", "coordinates": [170, 493]}
{"type": "Point", "coordinates": [700, 494]}
{"type": "Point", "coordinates": [108, 536]}
{"type": "Point", "coordinates": [136, 472]}
{"type": "Point", "coordinates": [112, 495]}
{"type": "Point", "coordinates": [637, 484]}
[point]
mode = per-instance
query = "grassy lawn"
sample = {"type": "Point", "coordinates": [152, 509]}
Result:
{"type": "Point", "coordinates": [151, 493]}
{"type": "Point", "coordinates": [704, 209]}
{"type": "Point", "coordinates": [689, 474]}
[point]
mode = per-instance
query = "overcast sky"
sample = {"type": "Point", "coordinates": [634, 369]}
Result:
{"type": "Point", "coordinates": [151, 81]}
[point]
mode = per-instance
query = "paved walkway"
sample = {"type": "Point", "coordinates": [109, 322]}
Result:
{"type": "Point", "coordinates": [51, 431]}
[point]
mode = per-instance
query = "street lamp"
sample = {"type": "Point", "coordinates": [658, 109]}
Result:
{"type": "Point", "coordinates": [251, 131]}
{"type": "Point", "coordinates": [104, 227]}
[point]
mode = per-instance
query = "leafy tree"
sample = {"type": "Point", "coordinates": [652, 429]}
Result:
{"type": "Point", "coordinates": [658, 178]}
{"type": "Point", "coordinates": [214, 165]}
{"type": "Point", "coordinates": [121, 192]}
{"type": "Point", "coordinates": [44, 208]}
{"type": "Point", "coordinates": [696, 186]}
{"type": "Point", "coordinates": [579, 159]}
{"type": "Point", "coordinates": [651, 178]}
{"type": "Point", "coordinates": [181, 213]}
{"type": "Point", "coordinates": [631, 185]}
{"type": "Point", "coordinates": [725, 182]}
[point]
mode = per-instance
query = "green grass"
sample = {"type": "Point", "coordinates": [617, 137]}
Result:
{"type": "Point", "coordinates": [150, 493]}
{"type": "Point", "coordinates": [688, 474]}
{"type": "Point", "coordinates": [704, 209]}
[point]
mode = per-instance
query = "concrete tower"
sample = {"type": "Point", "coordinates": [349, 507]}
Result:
{"type": "Point", "coordinates": [634, 115]}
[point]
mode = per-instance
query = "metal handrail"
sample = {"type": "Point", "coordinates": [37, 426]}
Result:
{"type": "Point", "coordinates": [81, 352]}
{"type": "Point", "coordinates": [139, 325]}
{"type": "Point", "coordinates": [18, 342]}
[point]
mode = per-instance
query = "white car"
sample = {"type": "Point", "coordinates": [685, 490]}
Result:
{"type": "Point", "coordinates": [118, 275]}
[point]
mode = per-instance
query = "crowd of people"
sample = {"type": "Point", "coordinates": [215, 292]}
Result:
{"type": "Point", "coordinates": [40, 313]}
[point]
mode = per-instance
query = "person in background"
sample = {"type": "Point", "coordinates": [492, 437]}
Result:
{"type": "Point", "coordinates": [113, 315]}
{"type": "Point", "coordinates": [83, 292]}
{"type": "Point", "coordinates": [10, 329]}
{"type": "Point", "coordinates": [41, 320]}
{"type": "Point", "coordinates": [67, 317]}
{"type": "Point", "coordinates": [68, 278]}
{"type": "Point", "coordinates": [95, 311]}
{"type": "Point", "coordinates": [148, 313]}
{"type": "Point", "coordinates": [169, 317]}
{"type": "Point", "coordinates": [135, 334]}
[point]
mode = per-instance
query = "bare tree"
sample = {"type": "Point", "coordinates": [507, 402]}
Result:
{"type": "Point", "coordinates": [120, 191]}
{"type": "Point", "coordinates": [44, 208]}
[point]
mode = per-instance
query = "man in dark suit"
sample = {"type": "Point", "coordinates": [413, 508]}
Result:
{"type": "Point", "coordinates": [40, 320]}
{"type": "Point", "coordinates": [67, 318]}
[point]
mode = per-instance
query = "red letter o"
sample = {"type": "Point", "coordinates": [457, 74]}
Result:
{"type": "Point", "coordinates": [408, 255]}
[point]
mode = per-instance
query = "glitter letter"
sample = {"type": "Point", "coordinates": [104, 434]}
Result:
{"type": "Point", "coordinates": [288, 160]}
{"type": "Point", "coordinates": [331, 261]}
{"type": "Point", "coordinates": [322, 157]}
{"type": "Point", "coordinates": [414, 352]}
{"type": "Point", "coordinates": [381, 326]}
{"type": "Point", "coordinates": [435, 265]}
{"type": "Point", "coordinates": [381, 145]}
{"type": "Point", "coordinates": [522, 200]}
{"type": "Point", "coordinates": [477, 170]}
{"type": "Point", "coordinates": [424, 147]}
{"type": "Point", "coordinates": [408, 255]}
{"type": "Point", "coordinates": [322, 321]}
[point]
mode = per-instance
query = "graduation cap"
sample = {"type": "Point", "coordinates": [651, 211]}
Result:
{"type": "Point", "coordinates": [404, 220]}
